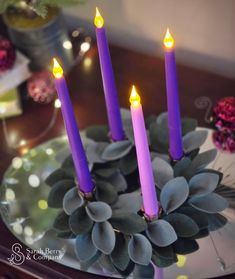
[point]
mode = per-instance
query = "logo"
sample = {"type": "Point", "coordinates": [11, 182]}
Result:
{"type": "Point", "coordinates": [18, 257]}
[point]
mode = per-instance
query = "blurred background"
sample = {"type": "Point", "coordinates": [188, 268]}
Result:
{"type": "Point", "coordinates": [204, 30]}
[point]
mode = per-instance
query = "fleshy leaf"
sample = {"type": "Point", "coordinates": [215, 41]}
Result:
{"type": "Point", "coordinates": [162, 172]}
{"type": "Point", "coordinates": [216, 221]}
{"type": "Point", "coordinates": [162, 119]}
{"type": "Point", "coordinates": [158, 137]}
{"type": "Point", "coordinates": [128, 164]}
{"type": "Point", "coordinates": [66, 234]}
{"type": "Point", "coordinates": [94, 152]}
{"type": "Point", "coordinates": [203, 184]}
{"type": "Point", "coordinates": [128, 223]}
{"type": "Point", "coordinates": [105, 192]}
{"type": "Point", "coordinates": [184, 246]}
{"type": "Point", "coordinates": [56, 176]}
{"type": "Point", "coordinates": [199, 217]}
{"type": "Point", "coordinates": [212, 203]}
{"type": "Point", "coordinates": [72, 200]}
{"type": "Point", "coordinates": [163, 262]}
{"type": "Point", "coordinates": [140, 249]}
{"type": "Point", "coordinates": [181, 166]}
{"type": "Point", "coordinates": [119, 255]}
{"type": "Point", "coordinates": [106, 264]}
{"type": "Point", "coordinates": [85, 265]}
{"type": "Point", "coordinates": [84, 247]}
{"type": "Point", "coordinates": [68, 163]}
{"type": "Point", "coordinates": [146, 272]}
{"type": "Point", "coordinates": [125, 273]}
{"type": "Point", "coordinates": [188, 125]}
{"type": "Point", "coordinates": [161, 233]}
{"type": "Point", "coordinates": [116, 150]}
{"type": "Point", "coordinates": [106, 172]}
{"type": "Point", "coordinates": [201, 234]}
{"type": "Point", "coordinates": [98, 133]}
{"type": "Point", "coordinates": [194, 140]}
{"type": "Point", "coordinates": [220, 174]}
{"type": "Point", "coordinates": [201, 161]}
{"type": "Point", "coordinates": [98, 211]}
{"type": "Point", "coordinates": [80, 222]}
{"type": "Point", "coordinates": [118, 181]}
{"type": "Point", "coordinates": [56, 195]}
{"type": "Point", "coordinates": [174, 194]}
{"type": "Point", "coordinates": [131, 202]}
{"type": "Point", "coordinates": [183, 225]}
{"type": "Point", "coordinates": [164, 252]}
{"type": "Point", "coordinates": [103, 237]}
{"type": "Point", "coordinates": [61, 222]}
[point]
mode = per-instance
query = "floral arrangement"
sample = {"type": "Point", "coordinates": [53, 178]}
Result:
{"type": "Point", "coordinates": [110, 227]}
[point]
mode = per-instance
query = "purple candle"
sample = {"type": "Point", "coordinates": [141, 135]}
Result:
{"type": "Point", "coordinates": [148, 190]}
{"type": "Point", "coordinates": [78, 154]}
{"type": "Point", "coordinates": [174, 122]}
{"type": "Point", "coordinates": [110, 91]}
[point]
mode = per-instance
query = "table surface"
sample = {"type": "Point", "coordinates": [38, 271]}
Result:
{"type": "Point", "coordinates": [85, 85]}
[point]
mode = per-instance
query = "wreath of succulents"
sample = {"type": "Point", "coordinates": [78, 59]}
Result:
{"type": "Point", "coordinates": [110, 228]}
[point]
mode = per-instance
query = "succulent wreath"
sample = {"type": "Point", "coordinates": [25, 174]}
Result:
{"type": "Point", "coordinates": [110, 228]}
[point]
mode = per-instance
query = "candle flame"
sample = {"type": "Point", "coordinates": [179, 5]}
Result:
{"type": "Point", "coordinates": [98, 21]}
{"type": "Point", "coordinates": [57, 69]}
{"type": "Point", "coordinates": [134, 98]}
{"type": "Point", "coordinates": [168, 40]}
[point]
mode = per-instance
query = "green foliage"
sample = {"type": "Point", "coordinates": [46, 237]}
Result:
{"type": "Point", "coordinates": [38, 6]}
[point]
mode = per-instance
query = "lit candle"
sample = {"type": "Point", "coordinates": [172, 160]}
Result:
{"type": "Point", "coordinates": [110, 91]}
{"type": "Point", "coordinates": [174, 122]}
{"type": "Point", "coordinates": [148, 190]}
{"type": "Point", "coordinates": [77, 151]}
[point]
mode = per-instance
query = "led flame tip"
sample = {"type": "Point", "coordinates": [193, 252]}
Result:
{"type": "Point", "coordinates": [168, 39]}
{"type": "Point", "coordinates": [134, 98]}
{"type": "Point", "coordinates": [98, 20]}
{"type": "Point", "coordinates": [57, 69]}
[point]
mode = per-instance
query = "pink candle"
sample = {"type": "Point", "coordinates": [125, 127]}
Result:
{"type": "Point", "coordinates": [148, 189]}
{"type": "Point", "coordinates": [76, 147]}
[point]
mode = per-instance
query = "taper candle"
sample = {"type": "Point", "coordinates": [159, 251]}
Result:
{"type": "Point", "coordinates": [110, 91]}
{"type": "Point", "coordinates": [174, 121]}
{"type": "Point", "coordinates": [78, 154]}
{"type": "Point", "coordinates": [148, 189]}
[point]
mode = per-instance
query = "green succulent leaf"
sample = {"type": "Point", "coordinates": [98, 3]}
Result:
{"type": "Point", "coordinates": [161, 233]}
{"type": "Point", "coordinates": [162, 172]}
{"type": "Point", "coordinates": [72, 200]}
{"type": "Point", "coordinates": [174, 194]}
{"type": "Point", "coordinates": [58, 190]}
{"type": "Point", "coordinates": [183, 225]}
{"type": "Point", "coordinates": [84, 247]}
{"type": "Point", "coordinates": [140, 249]}
{"type": "Point", "coordinates": [212, 203]}
{"type": "Point", "coordinates": [98, 211]}
{"type": "Point", "coordinates": [61, 222]}
{"type": "Point", "coordinates": [103, 237]}
{"type": "Point", "coordinates": [203, 183]}
{"type": "Point", "coordinates": [194, 140]}
{"type": "Point", "coordinates": [128, 223]}
{"type": "Point", "coordinates": [105, 192]}
{"type": "Point", "coordinates": [80, 222]}
{"type": "Point", "coordinates": [119, 256]}
{"type": "Point", "coordinates": [58, 175]}
{"type": "Point", "coordinates": [116, 150]}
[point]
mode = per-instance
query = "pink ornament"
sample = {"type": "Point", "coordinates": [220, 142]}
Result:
{"type": "Point", "coordinates": [224, 141]}
{"type": "Point", "coordinates": [41, 87]}
{"type": "Point", "coordinates": [225, 109]}
{"type": "Point", "coordinates": [224, 117]}
{"type": "Point", "coordinates": [7, 55]}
